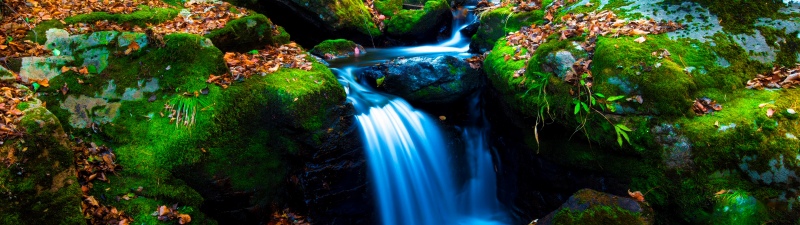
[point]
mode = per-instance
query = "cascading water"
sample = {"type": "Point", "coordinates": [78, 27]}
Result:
{"type": "Point", "coordinates": [407, 158]}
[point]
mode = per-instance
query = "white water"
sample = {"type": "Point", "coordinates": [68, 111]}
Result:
{"type": "Point", "coordinates": [410, 166]}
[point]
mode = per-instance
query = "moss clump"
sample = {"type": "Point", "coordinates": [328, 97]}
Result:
{"type": "Point", "coordinates": [40, 34]}
{"type": "Point", "coordinates": [787, 43]}
{"type": "Point", "coordinates": [40, 187]}
{"type": "Point", "coordinates": [591, 207]}
{"type": "Point", "coordinates": [416, 23]}
{"type": "Point", "coordinates": [242, 33]}
{"type": "Point", "coordinates": [140, 18]}
{"type": "Point", "coordinates": [334, 47]}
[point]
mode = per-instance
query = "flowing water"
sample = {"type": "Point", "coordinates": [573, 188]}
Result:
{"type": "Point", "coordinates": [411, 169]}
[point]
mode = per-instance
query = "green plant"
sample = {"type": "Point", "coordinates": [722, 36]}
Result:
{"type": "Point", "coordinates": [586, 101]}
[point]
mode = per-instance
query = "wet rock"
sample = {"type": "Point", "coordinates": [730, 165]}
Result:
{"type": "Point", "coordinates": [470, 30]}
{"type": "Point", "coordinates": [443, 79]}
{"type": "Point", "coordinates": [331, 49]}
{"type": "Point", "coordinates": [588, 206]}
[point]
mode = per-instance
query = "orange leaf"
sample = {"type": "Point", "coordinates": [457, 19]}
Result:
{"type": "Point", "coordinates": [637, 195]}
{"type": "Point", "coordinates": [184, 218]}
{"type": "Point", "coordinates": [43, 82]}
{"type": "Point", "coordinates": [64, 69]}
{"type": "Point", "coordinates": [84, 71]}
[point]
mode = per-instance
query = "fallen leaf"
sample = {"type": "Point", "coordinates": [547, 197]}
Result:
{"type": "Point", "coordinates": [640, 39]}
{"type": "Point", "coordinates": [770, 112]}
{"type": "Point", "coordinates": [184, 218]}
{"type": "Point", "coordinates": [637, 195]}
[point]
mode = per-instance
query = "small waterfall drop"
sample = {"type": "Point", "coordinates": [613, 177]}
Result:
{"type": "Point", "coordinates": [410, 167]}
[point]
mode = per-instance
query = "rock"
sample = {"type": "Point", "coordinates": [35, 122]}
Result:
{"type": "Point", "coordinates": [39, 178]}
{"type": "Point", "coordinates": [330, 49]}
{"type": "Point", "coordinates": [314, 21]}
{"type": "Point", "coordinates": [443, 79]}
{"type": "Point", "coordinates": [684, 158]}
{"type": "Point", "coordinates": [419, 25]}
{"type": "Point", "coordinates": [559, 62]}
{"type": "Point", "coordinates": [470, 29]}
{"type": "Point", "coordinates": [248, 32]}
{"type": "Point", "coordinates": [588, 206]}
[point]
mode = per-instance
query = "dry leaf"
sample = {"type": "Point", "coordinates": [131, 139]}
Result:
{"type": "Point", "coordinates": [637, 195]}
{"type": "Point", "coordinates": [770, 112]}
{"type": "Point", "coordinates": [640, 39]}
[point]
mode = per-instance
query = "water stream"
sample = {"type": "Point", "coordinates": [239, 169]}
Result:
{"type": "Point", "coordinates": [411, 169]}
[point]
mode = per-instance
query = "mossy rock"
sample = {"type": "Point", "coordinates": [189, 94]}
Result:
{"type": "Point", "coordinates": [588, 206]}
{"type": "Point", "coordinates": [419, 25]}
{"type": "Point", "coordinates": [40, 183]}
{"type": "Point", "coordinates": [337, 48]}
{"type": "Point", "coordinates": [169, 160]}
{"type": "Point", "coordinates": [252, 31]}
{"type": "Point", "coordinates": [738, 148]}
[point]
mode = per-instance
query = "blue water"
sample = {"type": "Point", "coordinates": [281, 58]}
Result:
{"type": "Point", "coordinates": [410, 167]}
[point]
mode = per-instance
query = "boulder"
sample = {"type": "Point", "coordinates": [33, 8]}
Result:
{"type": "Point", "coordinates": [39, 178]}
{"type": "Point", "coordinates": [669, 112]}
{"type": "Point", "coordinates": [588, 206]}
{"type": "Point", "coordinates": [331, 49]}
{"type": "Point", "coordinates": [431, 80]}
{"type": "Point", "coordinates": [419, 25]}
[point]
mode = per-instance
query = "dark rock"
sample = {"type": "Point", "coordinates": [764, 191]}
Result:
{"type": "Point", "coordinates": [334, 180]}
{"type": "Point", "coordinates": [471, 29]}
{"type": "Point", "coordinates": [443, 79]}
{"type": "Point", "coordinates": [588, 206]}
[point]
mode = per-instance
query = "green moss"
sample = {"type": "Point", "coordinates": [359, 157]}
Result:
{"type": "Point", "coordinates": [416, 22]}
{"type": "Point", "coordinates": [140, 18]}
{"type": "Point", "coordinates": [41, 187]}
{"type": "Point", "coordinates": [39, 33]}
{"type": "Point", "coordinates": [283, 37]}
{"type": "Point", "coordinates": [334, 47]}
{"type": "Point", "coordinates": [353, 14]}
{"type": "Point", "coordinates": [243, 33]}
{"type": "Point", "coordinates": [389, 7]}
{"type": "Point", "coordinates": [598, 215]}
{"type": "Point", "coordinates": [789, 44]}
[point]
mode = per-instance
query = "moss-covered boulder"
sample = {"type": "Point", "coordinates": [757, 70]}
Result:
{"type": "Point", "coordinates": [588, 206]}
{"type": "Point", "coordinates": [430, 80]}
{"type": "Point", "coordinates": [175, 134]}
{"type": "Point", "coordinates": [636, 104]}
{"type": "Point", "coordinates": [330, 49]}
{"type": "Point", "coordinates": [246, 32]}
{"type": "Point", "coordinates": [421, 25]}
{"type": "Point", "coordinates": [39, 178]}
{"type": "Point", "coordinates": [313, 21]}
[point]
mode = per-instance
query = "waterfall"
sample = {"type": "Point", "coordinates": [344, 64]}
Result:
{"type": "Point", "coordinates": [410, 165]}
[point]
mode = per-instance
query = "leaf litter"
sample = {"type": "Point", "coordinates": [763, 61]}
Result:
{"type": "Point", "coordinates": [594, 24]}
{"type": "Point", "coordinates": [95, 163]}
{"type": "Point", "coordinates": [261, 62]}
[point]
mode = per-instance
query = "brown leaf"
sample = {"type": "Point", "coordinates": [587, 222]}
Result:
{"type": "Point", "coordinates": [184, 218]}
{"type": "Point", "coordinates": [162, 210]}
{"type": "Point", "coordinates": [637, 195]}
